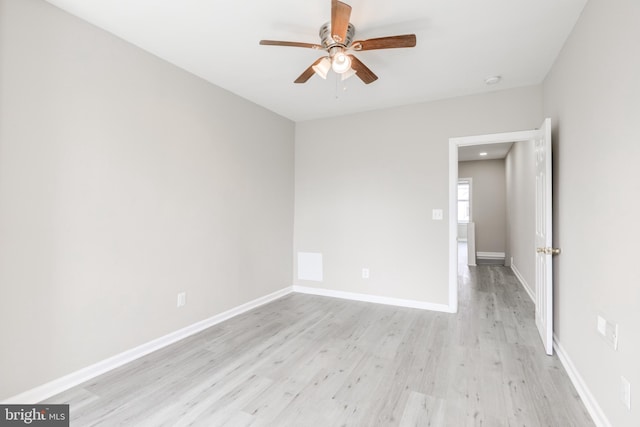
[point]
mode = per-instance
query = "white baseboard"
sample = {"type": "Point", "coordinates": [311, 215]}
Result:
{"type": "Point", "coordinates": [596, 412]}
{"type": "Point", "coordinates": [589, 401]}
{"type": "Point", "coordinates": [490, 255]}
{"type": "Point", "coordinates": [523, 282]}
{"type": "Point", "coordinates": [59, 385]}
{"type": "Point", "coordinates": [373, 298]}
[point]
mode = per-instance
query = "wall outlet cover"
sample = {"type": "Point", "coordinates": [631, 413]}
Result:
{"type": "Point", "coordinates": [182, 299]}
{"type": "Point", "coordinates": [625, 392]}
{"type": "Point", "coordinates": [612, 334]}
{"type": "Point", "coordinates": [602, 325]}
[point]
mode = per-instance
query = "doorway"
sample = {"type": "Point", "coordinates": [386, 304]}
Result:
{"type": "Point", "coordinates": [540, 254]}
{"type": "Point", "coordinates": [466, 226]}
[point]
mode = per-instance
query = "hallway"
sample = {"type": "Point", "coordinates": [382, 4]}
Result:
{"type": "Point", "coordinates": [506, 361]}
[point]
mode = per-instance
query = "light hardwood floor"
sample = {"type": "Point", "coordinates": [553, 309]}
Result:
{"type": "Point", "coordinates": [315, 361]}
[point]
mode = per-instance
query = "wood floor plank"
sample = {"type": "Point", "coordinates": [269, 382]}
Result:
{"type": "Point", "coordinates": [422, 410]}
{"type": "Point", "coordinates": [317, 361]}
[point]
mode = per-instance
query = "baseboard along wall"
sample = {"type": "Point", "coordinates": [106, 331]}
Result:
{"type": "Point", "coordinates": [373, 298]}
{"type": "Point", "coordinates": [523, 282]}
{"type": "Point", "coordinates": [596, 412]}
{"type": "Point", "coordinates": [59, 385]}
{"type": "Point", "coordinates": [45, 391]}
{"type": "Point", "coordinates": [490, 255]}
{"type": "Point", "coordinates": [598, 416]}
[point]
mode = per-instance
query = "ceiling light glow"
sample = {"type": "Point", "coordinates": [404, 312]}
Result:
{"type": "Point", "coordinates": [341, 63]}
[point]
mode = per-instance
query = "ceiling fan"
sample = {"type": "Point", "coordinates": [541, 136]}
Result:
{"type": "Point", "coordinates": [336, 38]}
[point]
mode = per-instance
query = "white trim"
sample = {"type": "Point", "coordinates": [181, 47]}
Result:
{"type": "Point", "coordinates": [59, 385]}
{"type": "Point", "coordinates": [523, 282]}
{"type": "Point", "coordinates": [454, 143]}
{"type": "Point", "coordinates": [472, 256]}
{"type": "Point", "coordinates": [423, 305]}
{"type": "Point", "coordinates": [453, 226]}
{"type": "Point", "coordinates": [494, 138]}
{"type": "Point", "coordinates": [490, 255]}
{"type": "Point", "coordinates": [596, 412]}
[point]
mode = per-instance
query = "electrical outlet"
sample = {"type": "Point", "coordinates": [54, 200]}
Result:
{"type": "Point", "coordinates": [612, 334]}
{"type": "Point", "coordinates": [602, 325]}
{"type": "Point", "coordinates": [365, 273]}
{"type": "Point", "coordinates": [182, 299]}
{"type": "Point", "coordinates": [609, 331]}
{"type": "Point", "coordinates": [625, 392]}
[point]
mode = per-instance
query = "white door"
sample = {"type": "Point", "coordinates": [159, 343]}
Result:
{"type": "Point", "coordinates": [544, 250]}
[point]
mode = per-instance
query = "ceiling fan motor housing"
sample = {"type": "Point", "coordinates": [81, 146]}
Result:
{"type": "Point", "coordinates": [328, 42]}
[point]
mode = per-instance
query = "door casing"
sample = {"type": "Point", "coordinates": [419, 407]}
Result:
{"type": "Point", "coordinates": [454, 144]}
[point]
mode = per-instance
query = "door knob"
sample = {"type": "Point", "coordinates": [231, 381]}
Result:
{"type": "Point", "coordinates": [549, 251]}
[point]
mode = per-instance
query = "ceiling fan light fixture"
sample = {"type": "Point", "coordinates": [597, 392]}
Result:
{"type": "Point", "coordinates": [349, 73]}
{"type": "Point", "coordinates": [341, 63]}
{"type": "Point", "coordinates": [337, 38]}
{"type": "Point", "coordinates": [322, 68]}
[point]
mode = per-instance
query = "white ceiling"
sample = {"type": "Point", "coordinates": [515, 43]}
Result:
{"type": "Point", "coordinates": [460, 43]}
{"type": "Point", "coordinates": [494, 151]}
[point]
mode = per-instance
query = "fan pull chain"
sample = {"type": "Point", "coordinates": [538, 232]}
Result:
{"type": "Point", "coordinates": [337, 86]}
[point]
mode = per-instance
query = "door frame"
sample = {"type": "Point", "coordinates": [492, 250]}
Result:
{"type": "Point", "coordinates": [454, 143]}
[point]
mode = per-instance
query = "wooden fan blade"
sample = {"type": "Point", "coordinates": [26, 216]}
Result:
{"type": "Point", "coordinates": [362, 71]}
{"type": "Point", "coordinates": [290, 44]}
{"type": "Point", "coordinates": [306, 74]}
{"type": "Point", "coordinates": [391, 42]}
{"type": "Point", "coordinates": [340, 15]}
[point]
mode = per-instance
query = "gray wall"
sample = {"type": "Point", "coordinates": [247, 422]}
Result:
{"type": "Point", "coordinates": [593, 96]}
{"type": "Point", "coordinates": [489, 208]}
{"type": "Point", "coordinates": [366, 185]}
{"type": "Point", "coordinates": [124, 180]}
{"type": "Point", "coordinates": [521, 219]}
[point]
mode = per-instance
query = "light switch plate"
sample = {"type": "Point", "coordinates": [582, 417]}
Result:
{"type": "Point", "coordinates": [437, 214]}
